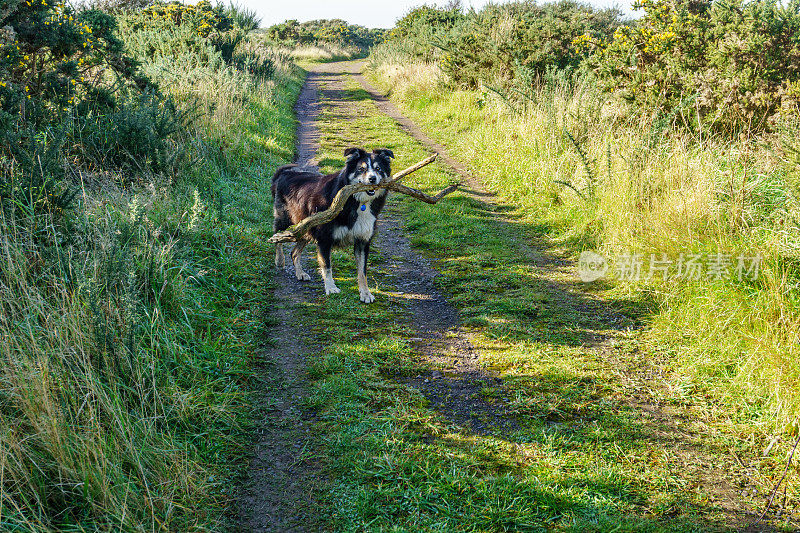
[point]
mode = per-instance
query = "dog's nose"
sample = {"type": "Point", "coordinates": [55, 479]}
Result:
{"type": "Point", "coordinates": [373, 179]}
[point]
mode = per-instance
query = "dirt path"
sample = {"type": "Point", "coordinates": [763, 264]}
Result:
{"type": "Point", "coordinates": [278, 492]}
{"type": "Point", "coordinates": [278, 495]}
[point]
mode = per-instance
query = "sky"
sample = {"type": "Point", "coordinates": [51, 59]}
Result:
{"type": "Point", "coordinates": [369, 13]}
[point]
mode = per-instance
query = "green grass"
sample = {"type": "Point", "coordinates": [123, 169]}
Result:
{"type": "Point", "coordinates": [584, 457]}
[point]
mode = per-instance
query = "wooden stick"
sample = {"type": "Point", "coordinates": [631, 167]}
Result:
{"type": "Point", "coordinates": [413, 168]}
{"type": "Point", "coordinates": [299, 230]}
{"type": "Point", "coordinates": [419, 195]}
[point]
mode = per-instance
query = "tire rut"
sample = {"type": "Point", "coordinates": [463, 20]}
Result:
{"type": "Point", "coordinates": [278, 492]}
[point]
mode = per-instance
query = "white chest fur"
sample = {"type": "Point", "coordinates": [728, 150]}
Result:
{"type": "Point", "coordinates": [362, 229]}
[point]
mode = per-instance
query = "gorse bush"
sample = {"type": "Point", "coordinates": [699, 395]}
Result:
{"type": "Point", "coordinates": [738, 62]}
{"type": "Point", "coordinates": [198, 35]}
{"type": "Point", "coordinates": [67, 81]}
{"type": "Point", "coordinates": [417, 31]}
{"type": "Point", "coordinates": [521, 40]}
{"type": "Point", "coordinates": [53, 58]}
{"type": "Point", "coordinates": [32, 177]}
{"type": "Point", "coordinates": [142, 133]}
{"type": "Point", "coordinates": [721, 66]}
{"type": "Point", "coordinates": [420, 18]}
{"type": "Point", "coordinates": [243, 18]}
{"type": "Point", "coordinates": [212, 25]}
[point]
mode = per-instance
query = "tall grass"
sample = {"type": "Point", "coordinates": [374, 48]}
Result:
{"type": "Point", "coordinates": [128, 324]}
{"type": "Point", "coordinates": [324, 52]}
{"type": "Point", "coordinates": [607, 179]}
{"type": "Point", "coordinates": [95, 389]}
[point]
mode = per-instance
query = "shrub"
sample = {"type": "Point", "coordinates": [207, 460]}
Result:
{"type": "Point", "coordinates": [31, 176]}
{"type": "Point", "coordinates": [419, 18]}
{"type": "Point", "coordinates": [140, 133]}
{"type": "Point", "coordinates": [211, 25]}
{"type": "Point", "coordinates": [258, 65]}
{"type": "Point", "coordinates": [501, 43]}
{"type": "Point", "coordinates": [417, 31]}
{"type": "Point", "coordinates": [198, 34]}
{"type": "Point", "coordinates": [243, 18]}
{"type": "Point", "coordinates": [737, 62]}
{"type": "Point", "coordinates": [53, 58]}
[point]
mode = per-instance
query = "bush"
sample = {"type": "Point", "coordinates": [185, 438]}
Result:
{"type": "Point", "coordinates": [521, 39]}
{"type": "Point", "coordinates": [208, 25]}
{"type": "Point", "coordinates": [53, 58]}
{"type": "Point", "coordinates": [31, 176]}
{"type": "Point", "coordinates": [67, 81]}
{"type": "Point", "coordinates": [258, 65]}
{"type": "Point", "coordinates": [736, 63]}
{"type": "Point", "coordinates": [194, 35]}
{"type": "Point", "coordinates": [243, 18]}
{"type": "Point", "coordinates": [416, 31]}
{"type": "Point", "coordinates": [419, 18]}
{"type": "Point", "coordinates": [141, 133]}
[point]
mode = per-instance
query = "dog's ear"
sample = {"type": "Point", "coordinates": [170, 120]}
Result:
{"type": "Point", "coordinates": [384, 153]}
{"type": "Point", "coordinates": [353, 153]}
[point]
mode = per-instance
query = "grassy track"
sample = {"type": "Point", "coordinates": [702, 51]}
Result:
{"type": "Point", "coordinates": [597, 445]}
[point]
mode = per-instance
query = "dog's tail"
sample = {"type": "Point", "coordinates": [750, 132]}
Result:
{"type": "Point", "coordinates": [277, 173]}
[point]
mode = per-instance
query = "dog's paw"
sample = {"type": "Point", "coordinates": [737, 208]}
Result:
{"type": "Point", "coordinates": [302, 276]}
{"type": "Point", "coordinates": [367, 297]}
{"type": "Point", "coordinates": [332, 289]}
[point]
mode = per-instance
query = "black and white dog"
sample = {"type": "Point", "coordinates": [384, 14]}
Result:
{"type": "Point", "coordinates": [298, 193]}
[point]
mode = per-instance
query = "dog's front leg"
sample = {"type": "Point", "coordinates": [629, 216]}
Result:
{"type": "Point", "coordinates": [324, 260]}
{"type": "Point", "coordinates": [361, 251]}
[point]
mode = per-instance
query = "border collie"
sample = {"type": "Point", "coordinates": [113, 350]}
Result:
{"type": "Point", "coordinates": [298, 193]}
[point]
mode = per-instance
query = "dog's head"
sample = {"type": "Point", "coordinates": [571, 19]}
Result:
{"type": "Point", "coordinates": [368, 168]}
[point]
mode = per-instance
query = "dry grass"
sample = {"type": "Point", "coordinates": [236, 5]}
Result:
{"type": "Point", "coordinates": [415, 76]}
{"type": "Point", "coordinates": [322, 52]}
